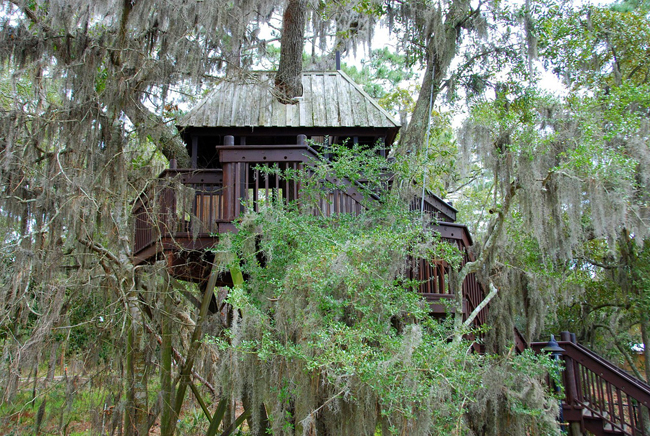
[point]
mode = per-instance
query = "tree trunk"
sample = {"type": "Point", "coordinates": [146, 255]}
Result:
{"type": "Point", "coordinates": [258, 422]}
{"type": "Point", "coordinates": [288, 79]}
{"type": "Point", "coordinates": [136, 419]}
{"type": "Point", "coordinates": [166, 391]}
{"type": "Point", "coordinates": [440, 54]}
{"type": "Point", "coordinates": [413, 136]}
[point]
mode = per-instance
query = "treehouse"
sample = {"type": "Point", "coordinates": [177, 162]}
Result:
{"type": "Point", "coordinates": [240, 127]}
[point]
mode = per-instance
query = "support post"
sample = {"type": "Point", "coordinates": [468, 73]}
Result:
{"type": "Point", "coordinates": [184, 378]}
{"type": "Point", "coordinates": [229, 183]}
{"type": "Point", "coordinates": [569, 374]}
{"type": "Point", "coordinates": [195, 152]}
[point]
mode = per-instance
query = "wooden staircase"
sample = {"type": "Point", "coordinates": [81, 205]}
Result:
{"type": "Point", "coordinates": [599, 397]}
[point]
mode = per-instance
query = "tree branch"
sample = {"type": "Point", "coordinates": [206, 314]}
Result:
{"type": "Point", "coordinates": [622, 350]}
{"type": "Point", "coordinates": [31, 15]}
{"type": "Point", "coordinates": [152, 125]}
{"type": "Point", "coordinates": [97, 248]}
{"type": "Point", "coordinates": [472, 316]}
{"type": "Point", "coordinates": [495, 227]}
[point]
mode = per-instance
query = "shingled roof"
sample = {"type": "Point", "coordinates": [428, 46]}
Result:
{"type": "Point", "coordinates": [330, 99]}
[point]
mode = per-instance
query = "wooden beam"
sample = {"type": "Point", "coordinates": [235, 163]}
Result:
{"type": "Point", "coordinates": [184, 377]}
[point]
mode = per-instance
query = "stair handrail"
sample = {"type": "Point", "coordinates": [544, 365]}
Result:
{"type": "Point", "coordinates": [627, 383]}
{"type": "Point", "coordinates": [632, 386]}
{"type": "Point", "coordinates": [607, 384]}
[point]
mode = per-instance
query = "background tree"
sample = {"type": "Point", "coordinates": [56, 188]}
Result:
{"type": "Point", "coordinates": [579, 163]}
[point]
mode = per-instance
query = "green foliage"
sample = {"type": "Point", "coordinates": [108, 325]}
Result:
{"type": "Point", "coordinates": [66, 406]}
{"type": "Point", "coordinates": [595, 47]}
{"type": "Point", "coordinates": [327, 295]}
{"type": "Point", "coordinates": [327, 329]}
{"type": "Point", "coordinates": [387, 78]}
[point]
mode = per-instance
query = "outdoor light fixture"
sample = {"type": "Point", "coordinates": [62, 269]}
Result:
{"type": "Point", "coordinates": [553, 348]}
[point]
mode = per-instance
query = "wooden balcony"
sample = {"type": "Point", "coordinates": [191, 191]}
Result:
{"type": "Point", "coordinates": [181, 214]}
{"type": "Point", "coordinates": [185, 210]}
{"type": "Point", "coordinates": [181, 210]}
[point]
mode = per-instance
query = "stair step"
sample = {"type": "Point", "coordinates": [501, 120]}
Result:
{"type": "Point", "coordinates": [598, 426]}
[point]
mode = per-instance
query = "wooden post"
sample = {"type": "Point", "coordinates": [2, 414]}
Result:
{"type": "Point", "coordinates": [571, 389]}
{"type": "Point", "coordinates": [302, 140]}
{"type": "Point", "coordinates": [569, 373]}
{"type": "Point", "coordinates": [185, 374]}
{"type": "Point", "coordinates": [229, 184]}
{"type": "Point", "coordinates": [173, 164]}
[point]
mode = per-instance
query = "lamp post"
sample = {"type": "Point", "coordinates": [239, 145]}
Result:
{"type": "Point", "coordinates": [554, 349]}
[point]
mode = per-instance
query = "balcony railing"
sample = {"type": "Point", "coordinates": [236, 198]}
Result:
{"type": "Point", "coordinates": [183, 205]}
{"type": "Point", "coordinates": [179, 204]}
{"type": "Point", "coordinates": [434, 276]}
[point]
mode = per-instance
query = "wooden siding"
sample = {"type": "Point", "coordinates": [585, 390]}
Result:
{"type": "Point", "coordinates": [330, 99]}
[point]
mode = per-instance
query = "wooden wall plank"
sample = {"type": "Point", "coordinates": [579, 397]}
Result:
{"type": "Point", "coordinates": [372, 112]}
{"type": "Point", "coordinates": [307, 101]}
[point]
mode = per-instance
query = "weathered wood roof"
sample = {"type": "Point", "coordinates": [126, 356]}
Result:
{"type": "Point", "coordinates": [330, 99]}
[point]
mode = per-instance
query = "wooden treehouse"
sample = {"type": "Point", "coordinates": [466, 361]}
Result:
{"type": "Point", "coordinates": [240, 126]}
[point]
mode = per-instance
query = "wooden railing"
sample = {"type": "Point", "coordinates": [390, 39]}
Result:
{"type": "Point", "coordinates": [599, 395]}
{"type": "Point", "coordinates": [434, 276]}
{"type": "Point", "coordinates": [185, 204]}
{"type": "Point", "coordinates": [433, 206]}
{"type": "Point", "coordinates": [473, 293]}
{"type": "Point", "coordinates": [180, 203]}
{"type": "Point", "coordinates": [254, 187]}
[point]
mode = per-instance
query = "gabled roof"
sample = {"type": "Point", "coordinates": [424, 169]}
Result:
{"type": "Point", "coordinates": [330, 99]}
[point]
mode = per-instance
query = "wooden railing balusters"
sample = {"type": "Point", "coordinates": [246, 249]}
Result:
{"type": "Point", "coordinates": [621, 409]}
{"type": "Point", "coordinates": [614, 400]}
